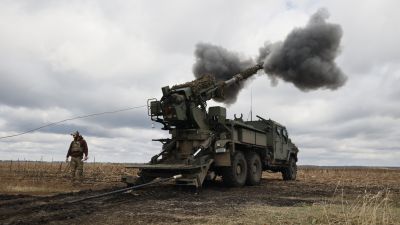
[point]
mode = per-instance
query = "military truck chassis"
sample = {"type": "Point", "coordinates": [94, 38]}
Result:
{"type": "Point", "coordinates": [205, 144]}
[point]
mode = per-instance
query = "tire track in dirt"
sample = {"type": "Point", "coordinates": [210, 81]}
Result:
{"type": "Point", "coordinates": [170, 204]}
{"type": "Point", "coordinates": [41, 210]}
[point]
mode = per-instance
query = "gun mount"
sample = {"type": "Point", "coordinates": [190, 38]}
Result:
{"type": "Point", "coordinates": [184, 105]}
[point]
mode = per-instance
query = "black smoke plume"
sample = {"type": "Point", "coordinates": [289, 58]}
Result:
{"type": "Point", "coordinates": [223, 64]}
{"type": "Point", "coordinates": [306, 57]}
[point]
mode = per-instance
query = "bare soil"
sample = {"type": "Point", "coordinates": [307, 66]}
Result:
{"type": "Point", "coordinates": [312, 199]}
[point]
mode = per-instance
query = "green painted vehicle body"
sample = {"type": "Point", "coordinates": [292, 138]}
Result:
{"type": "Point", "coordinates": [205, 144]}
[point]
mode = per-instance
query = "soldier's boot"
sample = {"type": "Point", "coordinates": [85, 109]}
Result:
{"type": "Point", "coordinates": [80, 172]}
{"type": "Point", "coordinates": [73, 170]}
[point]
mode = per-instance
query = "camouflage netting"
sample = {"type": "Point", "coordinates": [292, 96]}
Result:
{"type": "Point", "coordinates": [203, 83]}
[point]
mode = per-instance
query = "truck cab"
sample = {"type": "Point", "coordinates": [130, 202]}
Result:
{"type": "Point", "coordinates": [281, 151]}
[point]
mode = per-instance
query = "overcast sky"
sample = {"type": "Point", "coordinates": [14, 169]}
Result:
{"type": "Point", "coordinates": [60, 59]}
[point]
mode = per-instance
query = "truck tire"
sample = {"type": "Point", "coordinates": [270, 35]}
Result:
{"type": "Point", "coordinates": [290, 172]}
{"type": "Point", "coordinates": [235, 175]}
{"type": "Point", "coordinates": [254, 169]}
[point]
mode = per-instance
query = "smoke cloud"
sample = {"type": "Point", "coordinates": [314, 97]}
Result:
{"type": "Point", "coordinates": [223, 64]}
{"type": "Point", "coordinates": [306, 57]}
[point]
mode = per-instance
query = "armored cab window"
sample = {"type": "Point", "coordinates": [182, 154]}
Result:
{"type": "Point", "coordinates": [285, 134]}
{"type": "Point", "coordinates": [278, 131]}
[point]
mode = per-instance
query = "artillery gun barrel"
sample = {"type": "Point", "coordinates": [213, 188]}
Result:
{"type": "Point", "coordinates": [243, 75]}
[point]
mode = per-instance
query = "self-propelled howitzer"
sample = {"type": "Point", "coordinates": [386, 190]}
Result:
{"type": "Point", "coordinates": [205, 144]}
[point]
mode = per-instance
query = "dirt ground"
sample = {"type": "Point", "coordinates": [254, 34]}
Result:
{"type": "Point", "coordinates": [319, 196]}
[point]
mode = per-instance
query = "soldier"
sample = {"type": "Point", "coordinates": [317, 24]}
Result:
{"type": "Point", "coordinates": [76, 150]}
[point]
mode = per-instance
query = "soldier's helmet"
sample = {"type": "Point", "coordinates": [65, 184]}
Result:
{"type": "Point", "coordinates": [75, 134]}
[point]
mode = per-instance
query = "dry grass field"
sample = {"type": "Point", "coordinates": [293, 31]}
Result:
{"type": "Point", "coordinates": [45, 178]}
{"type": "Point", "coordinates": [41, 193]}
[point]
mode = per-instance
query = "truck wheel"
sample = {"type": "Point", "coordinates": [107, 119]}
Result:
{"type": "Point", "coordinates": [235, 175]}
{"type": "Point", "coordinates": [254, 169]}
{"type": "Point", "coordinates": [290, 172]}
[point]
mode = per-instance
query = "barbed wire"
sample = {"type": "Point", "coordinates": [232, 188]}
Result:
{"type": "Point", "coordinates": [73, 118]}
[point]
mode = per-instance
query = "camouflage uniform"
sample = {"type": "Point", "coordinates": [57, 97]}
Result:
{"type": "Point", "coordinates": [77, 149]}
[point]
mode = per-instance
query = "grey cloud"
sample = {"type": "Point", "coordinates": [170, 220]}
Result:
{"type": "Point", "coordinates": [100, 126]}
{"type": "Point", "coordinates": [370, 34]}
{"type": "Point", "coordinates": [73, 58]}
{"type": "Point", "coordinates": [134, 118]}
